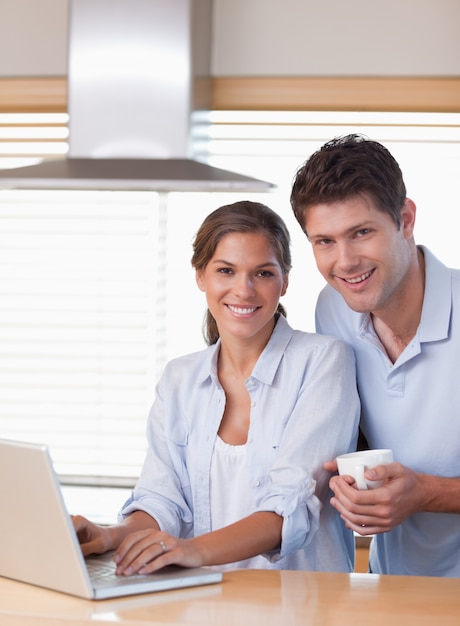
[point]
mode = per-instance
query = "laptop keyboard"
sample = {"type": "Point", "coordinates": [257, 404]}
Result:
{"type": "Point", "coordinates": [99, 570]}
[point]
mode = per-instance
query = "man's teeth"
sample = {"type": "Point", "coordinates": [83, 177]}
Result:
{"type": "Point", "coordinates": [241, 310]}
{"type": "Point", "coordinates": [359, 279]}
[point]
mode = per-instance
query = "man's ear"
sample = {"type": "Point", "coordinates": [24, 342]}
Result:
{"type": "Point", "coordinates": [408, 213]}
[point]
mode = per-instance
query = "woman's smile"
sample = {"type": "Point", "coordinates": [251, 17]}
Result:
{"type": "Point", "coordinates": [242, 310]}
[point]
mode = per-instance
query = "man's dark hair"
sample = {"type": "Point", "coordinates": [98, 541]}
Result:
{"type": "Point", "coordinates": [347, 167]}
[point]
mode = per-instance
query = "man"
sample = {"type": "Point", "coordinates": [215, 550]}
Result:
{"type": "Point", "coordinates": [399, 307]}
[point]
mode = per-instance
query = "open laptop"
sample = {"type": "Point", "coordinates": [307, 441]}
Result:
{"type": "Point", "coordinates": [38, 543]}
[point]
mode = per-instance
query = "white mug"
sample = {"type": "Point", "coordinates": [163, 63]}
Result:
{"type": "Point", "coordinates": [356, 463]}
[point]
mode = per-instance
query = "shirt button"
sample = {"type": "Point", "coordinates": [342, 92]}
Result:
{"type": "Point", "coordinates": [256, 483]}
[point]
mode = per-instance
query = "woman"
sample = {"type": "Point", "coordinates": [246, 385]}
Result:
{"type": "Point", "coordinates": [238, 432]}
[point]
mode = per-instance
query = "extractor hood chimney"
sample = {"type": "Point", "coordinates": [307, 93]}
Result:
{"type": "Point", "coordinates": [138, 69]}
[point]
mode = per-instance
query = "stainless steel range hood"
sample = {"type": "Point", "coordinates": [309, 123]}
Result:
{"type": "Point", "coordinates": [138, 70]}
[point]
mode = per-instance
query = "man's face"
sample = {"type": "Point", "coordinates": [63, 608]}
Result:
{"type": "Point", "coordinates": [361, 253]}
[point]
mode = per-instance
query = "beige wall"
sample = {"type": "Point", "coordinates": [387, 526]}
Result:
{"type": "Point", "coordinates": [271, 37]}
{"type": "Point", "coordinates": [337, 37]}
{"type": "Point", "coordinates": [33, 37]}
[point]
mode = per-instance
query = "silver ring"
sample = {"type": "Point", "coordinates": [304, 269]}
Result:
{"type": "Point", "coordinates": [163, 546]}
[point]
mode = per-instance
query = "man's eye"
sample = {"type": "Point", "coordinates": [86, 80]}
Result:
{"type": "Point", "coordinates": [362, 232]}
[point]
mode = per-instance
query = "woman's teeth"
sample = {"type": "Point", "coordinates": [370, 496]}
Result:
{"type": "Point", "coordinates": [241, 310]}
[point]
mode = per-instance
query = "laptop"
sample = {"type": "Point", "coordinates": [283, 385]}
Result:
{"type": "Point", "coordinates": [38, 543]}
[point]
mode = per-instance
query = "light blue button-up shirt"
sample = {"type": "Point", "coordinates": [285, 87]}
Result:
{"type": "Point", "coordinates": [413, 407]}
{"type": "Point", "coordinates": [304, 411]}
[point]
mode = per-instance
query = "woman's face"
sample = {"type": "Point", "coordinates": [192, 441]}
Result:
{"type": "Point", "coordinates": [243, 283]}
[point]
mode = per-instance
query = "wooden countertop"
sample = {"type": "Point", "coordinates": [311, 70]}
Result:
{"type": "Point", "coordinates": [253, 598]}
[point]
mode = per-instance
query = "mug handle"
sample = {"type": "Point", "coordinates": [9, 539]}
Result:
{"type": "Point", "coordinates": [359, 477]}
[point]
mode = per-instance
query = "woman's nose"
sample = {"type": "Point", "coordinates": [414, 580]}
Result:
{"type": "Point", "coordinates": [245, 286]}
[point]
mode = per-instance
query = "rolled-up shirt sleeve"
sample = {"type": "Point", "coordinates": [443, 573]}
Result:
{"type": "Point", "coordinates": [163, 487]}
{"type": "Point", "coordinates": [314, 396]}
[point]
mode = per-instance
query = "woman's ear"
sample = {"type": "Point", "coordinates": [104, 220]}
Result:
{"type": "Point", "coordinates": [200, 280]}
{"type": "Point", "coordinates": [285, 284]}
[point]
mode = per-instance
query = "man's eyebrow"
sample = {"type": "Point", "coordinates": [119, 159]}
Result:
{"type": "Point", "coordinates": [348, 231]}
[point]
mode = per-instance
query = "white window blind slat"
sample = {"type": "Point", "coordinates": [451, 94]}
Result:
{"type": "Point", "coordinates": [28, 138]}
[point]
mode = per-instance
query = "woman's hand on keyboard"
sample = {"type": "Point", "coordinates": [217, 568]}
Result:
{"type": "Point", "coordinates": [147, 551]}
{"type": "Point", "coordinates": [93, 539]}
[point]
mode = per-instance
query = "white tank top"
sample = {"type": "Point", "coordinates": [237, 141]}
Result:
{"type": "Point", "coordinates": [229, 476]}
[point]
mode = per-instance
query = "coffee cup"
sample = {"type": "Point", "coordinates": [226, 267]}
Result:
{"type": "Point", "coordinates": [356, 463]}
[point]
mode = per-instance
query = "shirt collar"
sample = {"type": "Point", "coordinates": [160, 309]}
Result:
{"type": "Point", "coordinates": [437, 300]}
{"type": "Point", "coordinates": [267, 364]}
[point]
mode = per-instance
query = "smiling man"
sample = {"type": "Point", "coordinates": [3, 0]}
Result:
{"type": "Point", "coordinates": [399, 307]}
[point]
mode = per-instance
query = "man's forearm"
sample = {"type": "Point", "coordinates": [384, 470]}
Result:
{"type": "Point", "coordinates": [439, 494]}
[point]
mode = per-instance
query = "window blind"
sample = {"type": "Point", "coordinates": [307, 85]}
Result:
{"type": "Point", "coordinates": [97, 292]}
{"type": "Point", "coordinates": [81, 293]}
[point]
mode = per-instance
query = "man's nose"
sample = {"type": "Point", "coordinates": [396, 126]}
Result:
{"type": "Point", "coordinates": [346, 256]}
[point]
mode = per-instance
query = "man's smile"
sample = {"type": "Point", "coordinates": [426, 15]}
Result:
{"type": "Point", "coordinates": [357, 279]}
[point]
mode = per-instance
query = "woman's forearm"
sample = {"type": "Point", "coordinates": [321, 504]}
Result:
{"type": "Point", "coordinates": [139, 520]}
{"type": "Point", "coordinates": [253, 535]}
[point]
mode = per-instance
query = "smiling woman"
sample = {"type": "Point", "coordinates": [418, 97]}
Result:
{"type": "Point", "coordinates": [241, 483]}
{"type": "Point", "coordinates": [243, 280]}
